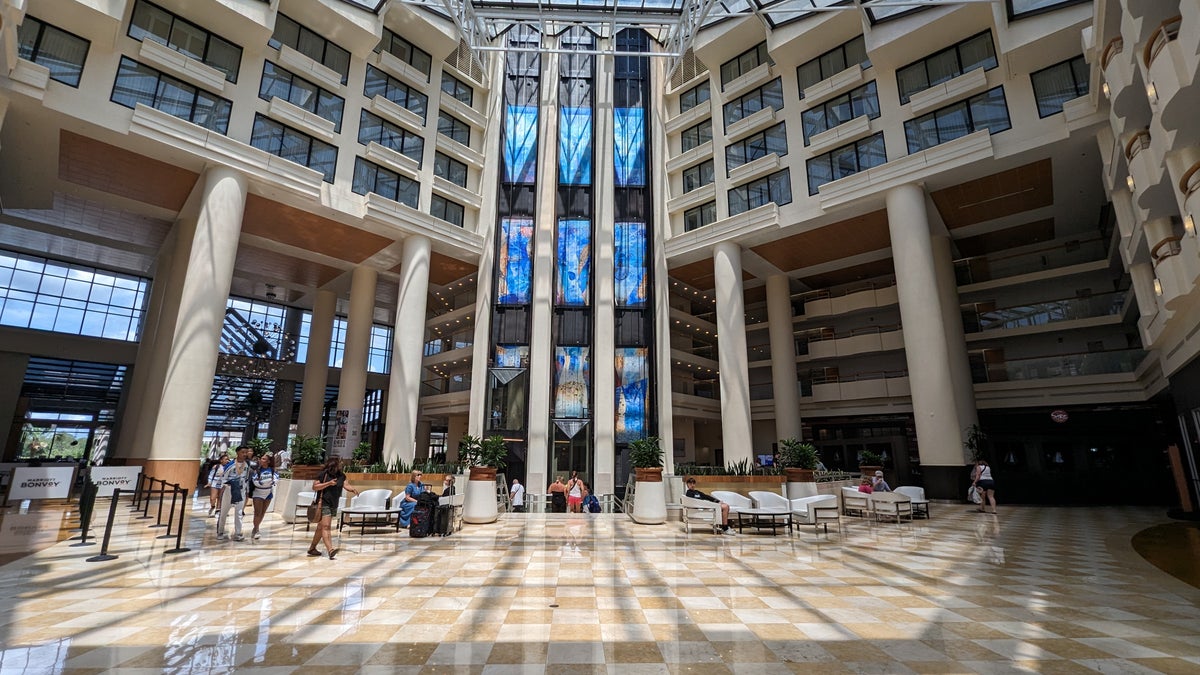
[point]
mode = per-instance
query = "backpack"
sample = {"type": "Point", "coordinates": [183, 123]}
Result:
{"type": "Point", "coordinates": [591, 504]}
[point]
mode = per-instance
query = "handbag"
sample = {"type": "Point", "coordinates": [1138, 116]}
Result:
{"type": "Point", "coordinates": [314, 509]}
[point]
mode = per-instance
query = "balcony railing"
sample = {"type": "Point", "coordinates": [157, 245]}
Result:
{"type": "Point", "coordinates": [1043, 313]}
{"type": "Point", "coordinates": [446, 386]}
{"type": "Point", "coordinates": [1167, 30]}
{"type": "Point", "coordinates": [832, 378]}
{"type": "Point", "coordinates": [1063, 365]}
{"type": "Point", "coordinates": [987, 268]}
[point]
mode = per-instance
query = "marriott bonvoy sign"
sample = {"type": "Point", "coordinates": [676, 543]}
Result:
{"type": "Point", "coordinates": [109, 478]}
{"type": "Point", "coordinates": [41, 482]}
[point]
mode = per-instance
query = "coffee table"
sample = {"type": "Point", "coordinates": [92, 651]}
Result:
{"type": "Point", "coordinates": [373, 516]}
{"type": "Point", "coordinates": [761, 518]}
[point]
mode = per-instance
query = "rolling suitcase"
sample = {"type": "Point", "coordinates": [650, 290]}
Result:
{"type": "Point", "coordinates": [443, 521]}
{"type": "Point", "coordinates": [422, 515]}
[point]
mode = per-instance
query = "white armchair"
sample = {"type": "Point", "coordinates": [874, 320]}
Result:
{"type": "Point", "coordinates": [735, 501]}
{"type": "Point", "coordinates": [770, 500]}
{"type": "Point", "coordinates": [855, 502]}
{"type": "Point", "coordinates": [916, 495]}
{"type": "Point", "coordinates": [371, 499]}
{"type": "Point", "coordinates": [818, 510]}
{"type": "Point", "coordinates": [699, 512]}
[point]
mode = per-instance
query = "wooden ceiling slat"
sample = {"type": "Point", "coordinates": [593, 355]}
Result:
{"type": "Point", "coordinates": [1024, 188]}
{"type": "Point", "coordinates": [861, 234]}
{"type": "Point", "coordinates": [100, 166]}
{"type": "Point", "coordinates": [311, 232]}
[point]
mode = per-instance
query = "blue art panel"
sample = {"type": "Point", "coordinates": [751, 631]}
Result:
{"type": "Point", "coordinates": [633, 393]}
{"type": "Point", "coordinates": [629, 146]}
{"type": "Point", "coordinates": [574, 279]}
{"type": "Point", "coordinates": [512, 356]}
{"type": "Point", "coordinates": [515, 268]}
{"type": "Point", "coordinates": [572, 374]}
{"type": "Point", "coordinates": [575, 146]}
{"type": "Point", "coordinates": [629, 264]}
{"type": "Point", "coordinates": [520, 143]}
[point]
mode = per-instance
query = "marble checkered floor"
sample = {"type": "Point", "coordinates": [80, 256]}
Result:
{"type": "Point", "coordinates": [1047, 590]}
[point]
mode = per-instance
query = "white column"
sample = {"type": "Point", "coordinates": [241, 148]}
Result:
{"type": "Point", "coordinates": [195, 332]}
{"type": "Point", "coordinates": [316, 363]}
{"type": "Point", "coordinates": [352, 386]}
{"type": "Point", "coordinates": [604, 339]}
{"type": "Point", "coordinates": [939, 433]}
{"type": "Point", "coordinates": [404, 383]}
{"type": "Point", "coordinates": [731, 348]}
{"type": "Point", "coordinates": [956, 342]}
{"type": "Point", "coordinates": [784, 383]}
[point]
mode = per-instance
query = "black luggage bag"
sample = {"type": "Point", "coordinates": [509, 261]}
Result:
{"type": "Point", "coordinates": [443, 521]}
{"type": "Point", "coordinates": [422, 516]}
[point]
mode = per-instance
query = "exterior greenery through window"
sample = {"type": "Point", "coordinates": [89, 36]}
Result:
{"type": "Point", "coordinates": [457, 89]}
{"type": "Point", "coordinates": [295, 146]}
{"type": "Point", "coordinates": [149, 21]}
{"type": "Point", "coordinates": [695, 136]}
{"type": "Point", "coordinates": [693, 97]}
{"type": "Point", "coordinates": [984, 111]}
{"type": "Point", "coordinates": [449, 168]}
{"type": "Point", "coordinates": [454, 128]}
{"type": "Point", "coordinates": [832, 62]}
{"type": "Point", "coordinates": [369, 177]}
{"type": "Point", "coordinates": [375, 128]}
{"type": "Point", "coordinates": [381, 84]}
{"type": "Point", "coordinates": [54, 48]}
{"type": "Point", "coordinates": [315, 47]}
{"type": "Point", "coordinates": [776, 187]}
{"type": "Point", "coordinates": [845, 161]}
{"type": "Point", "coordinates": [697, 176]}
{"type": "Point", "coordinates": [278, 81]}
{"type": "Point", "coordinates": [1061, 82]}
{"type": "Point", "coordinates": [405, 51]}
{"type": "Point", "coordinates": [744, 63]}
{"type": "Point", "coordinates": [451, 212]}
{"type": "Point", "coordinates": [137, 83]}
{"type": "Point", "coordinates": [705, 214]}
{"type": "Point", "coordinates": [770, 95]}
{"type": "Point", "coordinates": [974, 52]}
{"type": "Point", "coordinates": [825, 116]}
{"type": "Point", "coordinates": [766, 142]}
{"type": "Point", "coordinates": [66, 298]}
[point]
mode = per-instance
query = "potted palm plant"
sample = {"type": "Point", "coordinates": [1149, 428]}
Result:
{"type": "Point", "coordinates": [649, 497]}
{"type": "Point", "coordinates": [799, 462]}
{"type": "Point", "coordinates": [870, 462]}
{"type": "Point", "coordinates": [484, 456]}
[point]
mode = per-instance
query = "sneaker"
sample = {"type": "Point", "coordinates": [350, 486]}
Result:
{"type": "Point", "coordinates": [731, 531]}
{"type": "Point", "coordinates": [256, 535]}
{"type": "Point", "coordinates": [238, 537]}
{"type": "Point", "coordinates": [222, 537]}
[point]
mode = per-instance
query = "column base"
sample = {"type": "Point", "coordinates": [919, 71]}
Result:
{"type": "Point", "coordinates": [946, 482]}
{"type": "Point", "coordinates": [183, 472]}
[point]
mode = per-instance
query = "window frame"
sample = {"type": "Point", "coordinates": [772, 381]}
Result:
{"type": "Point", "coordinates": [971, 125]}
{"type": "Point", "coordinates": [924, 61]}
{"type": "Point", "coordinates": [327, 45]}
{"type": "Point", "coordinates": [312, 141]}
{"type": "Point", "coordinates": [391, 37]}
{"type": "Point", "coordinates": [392, 128]}
{"type": "Point", "coordinates": [35, 51]}
{"type": "Point", "coordinates": [866, 63]}
{"type": "Point", "coordinates": [695, 130]}
{"type": "Point", "coordinates": [438, 208]}
{"type": "Point", "coordinates": [1013, 15]}
{"type": "Point", "coordinates": [829, 155]}
{"type": "Point", "coordinates": [391, 83]}
{"type": "Point", "coordinates": [758, 184]}
{"type": "Point", "coordinates": [747, 145]}
{"type": "Point", "coordinates": [322, 93]}
{"type": "Point", "coordinates": [179, 84]}
{"type": "Point", "coordinates": [699, 175]}
{"type": "Point", "coordinates": [457, 127]}
{"type": "Point", "coordinates": [761, 56]}
{"type": "Point", "coordinates": [439, 158]}
{"type": "Point", "coordinates": [849, 101]}
{"type": "Point", "coordinates": [700, 211]}
{"type": "Point", "coordinates": [757, 94]}
{"type": "Point", "coordinates": [209, 35]}
{"type": "Point", "coordinates": [1070, 68]}
{"type": "Point", "coordinates": [398, 178]}
{"type": "Point", "coordinates": [692, 95]}
{"type": "Point", "coordinates": [457, 86]}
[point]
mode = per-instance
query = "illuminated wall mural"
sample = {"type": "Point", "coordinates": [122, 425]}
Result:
{"type": "Point", "coordinates": [574, 277]}
{"type": "Point", "coordinates": [633, 393]}
{"type": "Point", "coordinates": [515, 266]}
{"type": "Point", "coordinates": [629, 261]}
{"type": "Point", "coordinates": [572, 373]}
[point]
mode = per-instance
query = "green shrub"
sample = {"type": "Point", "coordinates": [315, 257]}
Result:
{"type": "Point", "coordinates": [796, 454]}
{"type": "Point", "coordinates": [307, 450]}
{"type": "Point", "coordinates": [646, 453]}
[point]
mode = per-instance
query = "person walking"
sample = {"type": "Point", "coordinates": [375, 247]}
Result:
{"type": "Point", "coordinates": [981, 478]}
{"type": "Point", "coordinates": [329, 486]}
{"type": "Point", "coordinates": [516, 495]}
{"type": "Point", "coordinates": [575, 493]}
{"type": "Point", "coordinates": [235, 483]}
{"type": "Point", "coordinates": [262, 491]}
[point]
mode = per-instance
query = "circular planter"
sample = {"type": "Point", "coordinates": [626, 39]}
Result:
{"type": "Point", "coordinates": [479, 505]}
{"type": "Point", "coordinates": [869, 470]}
{"type": "Point", "coordinates": [650, 497]}
{"type": "Point", "coordinates": [800, 483]}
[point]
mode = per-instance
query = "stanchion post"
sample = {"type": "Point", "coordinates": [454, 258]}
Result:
{"type": "Point", "coordinates": [112, 514]}
{"type": "Point", "coordinates": [162, 496]}
{"type": "Point", "coordinates": [179, 535]}
{"type": "Point", "coordinates": [137, 492]}
{"type": "Point", "coordinates": [87, 503]}
{"type": "Point", "coordinates": [146, 499]}
{"type": "Point", "coordinates": [171, 513]}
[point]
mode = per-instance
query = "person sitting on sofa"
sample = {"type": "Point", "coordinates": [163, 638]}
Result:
{"type": "Point", "coordinates": [692, 492]}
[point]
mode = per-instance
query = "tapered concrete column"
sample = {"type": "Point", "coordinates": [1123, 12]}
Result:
{"type": "Point", "coordinates": [404, 383]}
{"type": "Point", "coordinates": [352, 386]}
{"type": "Point", "coordinates": [956, 342]}
{"type": "Point", "coordinates": [784, 383]}
{"type": "Point", "coordinates": [604, 375]}
{"type": "Point", "coordinates": [939, 434]}
{"type": "Point", "coordinates": [731, 348]}
{"type": "Point", "coordinates": [195, 333]}
{"type": "Point", "coordinates": [316, 363]}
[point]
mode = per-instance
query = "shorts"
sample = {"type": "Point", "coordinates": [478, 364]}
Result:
{"type": "Point", "coordinates": [574, 500]}
{"type": "Point", "coordinates": [330, 511]}
{"type": "Point", "coordinates": [986, 484]}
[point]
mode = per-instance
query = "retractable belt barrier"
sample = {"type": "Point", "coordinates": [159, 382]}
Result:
{"type": "Point", "coordinates": [141, 499]}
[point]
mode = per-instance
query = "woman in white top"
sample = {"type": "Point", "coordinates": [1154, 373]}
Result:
{"type": "Point", "coordinates": [982, 479]}
{"type": "Point", "coordinates": [262, 490]}
{"type": "Point", "coordinates": [575, 493]}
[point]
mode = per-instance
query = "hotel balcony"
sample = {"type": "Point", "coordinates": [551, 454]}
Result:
{"type": "Point", "coordinates": [1171, 74]}
{"type": "Point", "coordinates": [991, 366]}
{"type": "Point", "coordinates": [830, 386]}
{"type": "Point", "coordinates": [860, 298]}
{"type": "Point", "coordinates": [1047, 316]}
{"type": "Point", "coordinates": [1008, 268]}
{"type": "Point", "coordinates": [868, 340]}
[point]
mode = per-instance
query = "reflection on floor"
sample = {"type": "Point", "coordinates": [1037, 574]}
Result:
{"type": "Point", "coordinates": [1033, 590]}
{"type": "Point", "coordinates": [1173, 548]}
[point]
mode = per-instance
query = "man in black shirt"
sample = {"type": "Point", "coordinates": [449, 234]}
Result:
{"type": "Point", "coordinates": [692, 492]}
